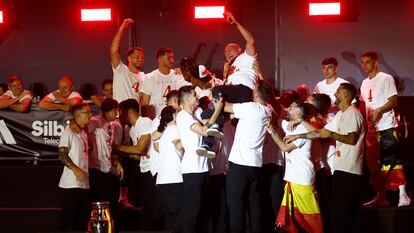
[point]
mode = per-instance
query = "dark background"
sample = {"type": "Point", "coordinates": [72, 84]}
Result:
{"type": "Point", "coordinates": [44, 39]}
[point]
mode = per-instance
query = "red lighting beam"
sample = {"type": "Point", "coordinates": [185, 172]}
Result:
{"type": "Point", "coordinates": [103, 14]}
{"type": "Point", "coordinates": [1, 16]}
{"type": "Point", "coordinates": [208, 12]}
{"type": "Point", "coordinates": [333, 8]}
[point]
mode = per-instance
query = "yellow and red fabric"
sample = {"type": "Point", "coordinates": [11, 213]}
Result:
{"type": "Point", "coordinates": [305, 206]}
{"type": "Point", "coordinates": [380, 178]}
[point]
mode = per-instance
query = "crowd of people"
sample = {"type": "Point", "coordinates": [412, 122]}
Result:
{"type": "Point", "coordinates": [226, 155]}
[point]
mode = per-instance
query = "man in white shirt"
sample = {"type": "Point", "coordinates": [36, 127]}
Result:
{"type": "Point", "coordinates": [194, 167]}
{"type": "Point", "coordinates": [74, 182]}
{"type": "Point", "coordinates": [105, 170]}
{"type": "Point", "coordinates": [159, 82]}
{"type": "Point", "coordinates": [239, 75]}
{"type": "Point", "coordinates": [331, 82]}
{"type": "Point", "coordinates": [16, 98]}
{"type": "Point", "coordinates": [127, 78]}
{"type": "Point", "coordinates": [140, 133]}
{"type": "Point", "coordinates": [246, 159]}
{"type": "Point", "coordinates": [62, 99]}
{"type": "Point", "coordinates": [347, 128]}
{"type": "Point", "coordinates": [299, 176]}
{"type": "Point", "coordinates": [379, 96]}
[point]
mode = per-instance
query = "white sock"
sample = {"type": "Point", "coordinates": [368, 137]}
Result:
{"type": "Point", "coordinates": [403, 192]}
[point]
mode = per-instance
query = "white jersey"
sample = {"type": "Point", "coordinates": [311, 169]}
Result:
{"type": "Point", "coordinates": [155, 157]}
{"type": "Point", "coordinates": [77, 143]}
{"type": "Point", "coordinates": [53, 99]}
{"type": "Point", "coordinates": [170, 158]}
{"type": "Point", "coordinates": [143, 126]}
{"type": "Point", "coordinates": [247, 147]}
{"type": "Point", "coordinates": [323, 87]}
{"type": "Point", "coordinates": [207, 92]}
{"type": "Point", "coordinates": [375, 93]}
{"type": "Point", "coordinates": [299, 166]}
{"type": "Point", "coordinates": [125, 83]}
{"type": "Point", "coordinates": [191, 162]}
{"type": "Point", "coordinates": [103, 135]}
{"type": "Point", "coordinates": [8, 93]}
{"type": "Point", "coordinates": [157, 86]}
{"type": "Point", "coordinates": [348, 158]}
{"type": "Point", "coordinates": [242, 72]}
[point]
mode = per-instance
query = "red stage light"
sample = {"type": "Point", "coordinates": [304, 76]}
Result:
{"type": "Point", "coordinates": [333, 8]}
{"type": "Point", "coordinates": [208, 12]}
{"type": "Point", "coordinates": [1, 16]}
{"type": "Point", "coordinates": [96, 14]}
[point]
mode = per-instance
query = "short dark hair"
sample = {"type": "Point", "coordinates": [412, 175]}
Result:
{"type": "Point", "coordinates": [129, 104]}
{"type": "Point", "coordinates": [329, 60]}
{"type": "Point", "coordinates": [14, 78]}
{"type": "Point", "coordinates": [171, 94]}
{"type": "Point", "coordinates": [77, 107]}
{"type": "Point", "coordinates": [163, 51]}
{"type": "Point", "coordinates": [325, 102]}
{"type": "Point", "coordinates": [187, 62]}
{"type": "Point", "coordinates": [371, 54]}
{"type": "Point", "coordinates": [106, 81]}
{"type": "Point", "coordinates": [265, 90]}
{"type": "Point", "coordinates": [349, 88]}
{"type": "Point", "coordinates": [302, 108]}
{"type": "Point", "coordinates": [183, 92]}
{"type": "Point", "coordinates": [108, 104]}
{"type": "Point", "coordinates": [132, 50]}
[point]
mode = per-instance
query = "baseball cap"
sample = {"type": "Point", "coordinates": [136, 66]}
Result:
{"type": "Point", "coordinates": [200, 72]}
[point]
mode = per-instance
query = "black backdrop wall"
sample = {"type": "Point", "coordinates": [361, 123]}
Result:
{"type": "Point", "coordinates": [48, 40]}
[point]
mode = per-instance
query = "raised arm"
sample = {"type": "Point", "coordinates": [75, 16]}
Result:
{"type": "Point", "coordinates": [200, 128]}
{"type": "Point", "coordinates": [114, 50]}
{"type": "Point", "coordinates": [283, 146]}
{"type": "Point", "coordinates": [248, 36]}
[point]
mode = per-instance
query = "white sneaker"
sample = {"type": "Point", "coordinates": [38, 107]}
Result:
{"type": "Point", "coordinates": [404, 200]}
{"type": "Point", "coordinates": [201, 151]}
{"type": "Point", "coordinates": [213, 131]}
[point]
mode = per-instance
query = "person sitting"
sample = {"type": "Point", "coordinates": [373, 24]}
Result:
{"type": "Point", "coordinates": [16, 98]}
{"type": "Point", "coordinates": [62, 99]}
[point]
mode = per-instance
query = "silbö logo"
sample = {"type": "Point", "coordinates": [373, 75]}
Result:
{"type": "Point", "coordinates": [48, 130]}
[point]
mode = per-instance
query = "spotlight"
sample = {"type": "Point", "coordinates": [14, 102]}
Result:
{"type": "Point", "coordinates": [209, 12]}
{"type": "Point", "coordinates": [333, 8]}
{"type": "Point", "coordinates": [102, 14]}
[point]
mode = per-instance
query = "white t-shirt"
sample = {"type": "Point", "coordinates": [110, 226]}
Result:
{"type": "Point", "coordinates": [348, 158]}
{"type": "Point", "coordinates": [78, 153]}
{"type": "Point", "coordinates": [170, 158]}
{"type": "Point", "coordinates": [142, 126]}
{"type": "Point", "coordinates": [191, 162]}
{"type": "Point", "coordinates": [10, 94]}
{"type": "Point", "coordinates": [375, 93]}
{"type": "Point", "coordinates": [207, 92]}
{"type": "Point", "coordinates": [125, 83]}
{"type": "Point", "coordinates": [157, 86]}
{"type": "Point", "coordinates": [242, 72]}
{"type": "Point", "coordinates": [323, 87]}
{"type": "Point", "coordinates": [247, 147]}
{"type": "Point", "coordinates": [53, 99]}
{"type": "Point", "coordinates": [155, 163]}
{"type": "Point", "coordinates": [103, 135]}
{"type": "Point", "coordinates": [299, 167]}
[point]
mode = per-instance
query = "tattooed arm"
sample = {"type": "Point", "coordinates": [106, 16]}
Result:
{"type": "Point", "coordinates": [65, 159]}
